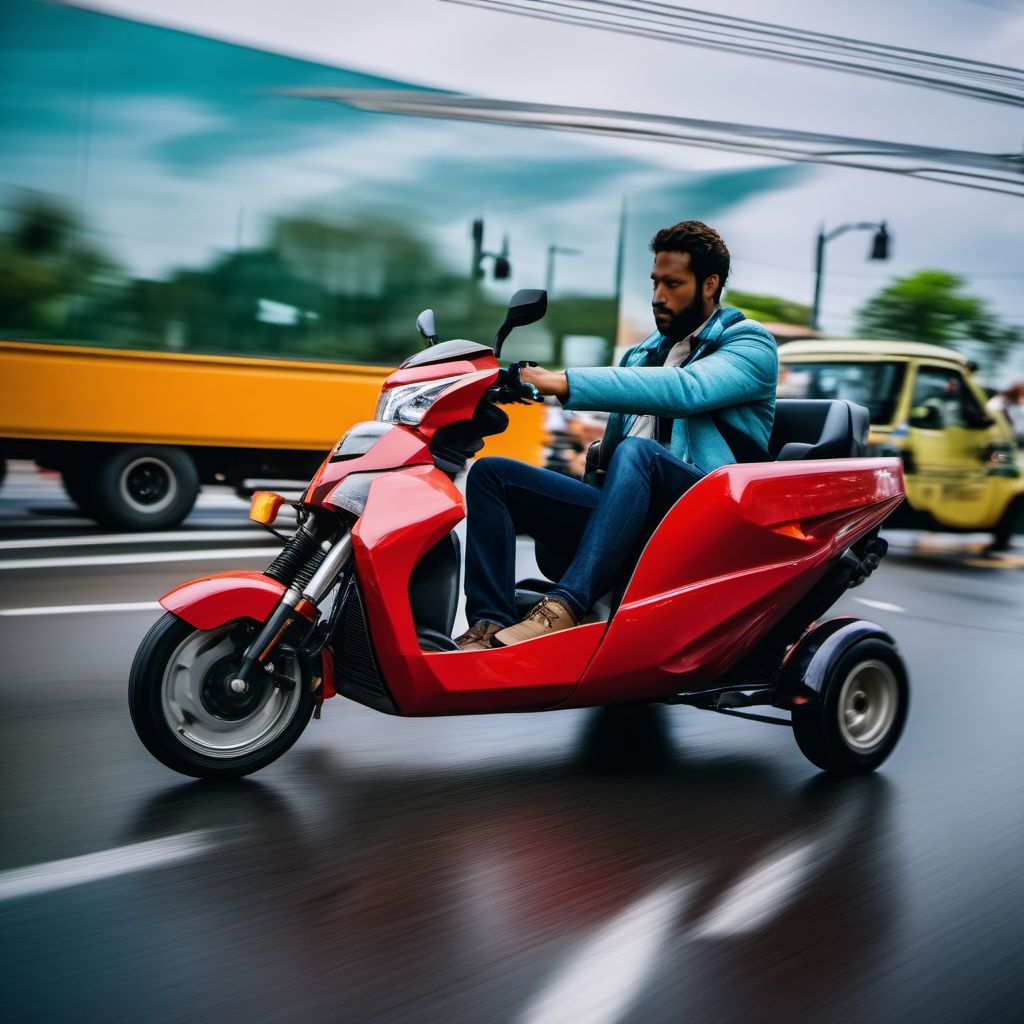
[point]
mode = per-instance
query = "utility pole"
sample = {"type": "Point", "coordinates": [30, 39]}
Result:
{"type": "Point", "coordinates": [554, 250]}
{"type": "Point", "coordinates": [620, 266]}
{"type": "Point", "coordinates": [549, 284]}
{"type": "Point", "coordinates": [879, 251]}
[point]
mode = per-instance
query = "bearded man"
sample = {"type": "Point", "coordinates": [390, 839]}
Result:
{"type": "Point", "coordinates": [697, 394]}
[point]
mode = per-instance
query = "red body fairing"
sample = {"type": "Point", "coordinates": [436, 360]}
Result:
{"type": "Point", "coordinates": [215, 600]}
{"type": "Point", "coordinates": [731, 557]}
{"type": "Point", "coordinates": [733, 554]}
{"type": "Point", "coordinates": [400, 446]}
{"type": "Point", "coordinates": [406, 514]}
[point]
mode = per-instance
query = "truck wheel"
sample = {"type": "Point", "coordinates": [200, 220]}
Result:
{"type": "Point", "coordinates": [862, 711]}
{"type": "Point", "coordinates": [187, 714]}
{"type": "Point", "coordinates": [139, 488]}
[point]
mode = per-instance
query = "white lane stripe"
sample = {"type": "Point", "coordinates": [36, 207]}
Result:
{"type": "Point", "coordinates": [759, 895]}
{"type": "Point", "coordinates": [882, 606]}
{"type": "Point", "coordinates": [96, 539]}
{"type": "Point", "coordinates": [603, 978]}
{"type": "Point", "coordinates": [94, 867]}
{"type": "Point", "coordinates": [73, 609]}
{"type": "Point", "coordinates": [140, 559]}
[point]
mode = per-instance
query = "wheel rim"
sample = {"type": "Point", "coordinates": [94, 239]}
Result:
{"type": "Point", "coordinates": [148, 485]}
{"type": "Point", "coordinates": [204, 712]}
{"type": "Point", "coordinates": [868, 702]}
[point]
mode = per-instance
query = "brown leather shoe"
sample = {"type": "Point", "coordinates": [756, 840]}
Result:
{"type": "Point", "coordinates": [478, 636]}
{"type": "Point", "coordinates": [548, 616]}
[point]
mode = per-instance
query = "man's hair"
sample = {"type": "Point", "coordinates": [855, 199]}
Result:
{"type": "Point", "coordinates": [708, 254]}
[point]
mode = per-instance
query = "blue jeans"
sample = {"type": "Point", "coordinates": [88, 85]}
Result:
{"type": "Point", "coordinates": [598, 534]}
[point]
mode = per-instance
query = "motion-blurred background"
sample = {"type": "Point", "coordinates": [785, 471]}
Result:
{"type": "Point", "coordinates": [218, 223]}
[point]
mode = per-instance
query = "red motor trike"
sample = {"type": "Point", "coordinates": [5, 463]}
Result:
{"type": "Point", "coordinates": [362, 599]}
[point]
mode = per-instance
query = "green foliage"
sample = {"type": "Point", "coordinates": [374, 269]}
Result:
{"type": "Point", "coordinates": [769, 308]}
{"type": "Point", "coordinates": [932, 306]}
{"type": "Point", "coordinates": [45, 270]}
{"type": "Point", "coordinates": [347, 290]}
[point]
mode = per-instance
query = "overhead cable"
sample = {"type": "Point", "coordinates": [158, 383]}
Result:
{"type": "Point", "coordinates": [689, 26]}
{"type": "Point", "coordinates": [990, 172]}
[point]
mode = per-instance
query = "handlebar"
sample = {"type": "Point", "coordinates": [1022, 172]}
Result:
{"type": "Point", "coordinates": [511, 389]}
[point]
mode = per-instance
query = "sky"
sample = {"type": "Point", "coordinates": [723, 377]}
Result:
{"type": "Point", "coordinates": [771, 233]}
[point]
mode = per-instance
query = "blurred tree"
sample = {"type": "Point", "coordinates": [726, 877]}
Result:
{"type": "Point", "coordinates": [46, 270]}
{"type": "Point", "coordinates": [317, 286]}
{"type": "Point", "coordinates": [769, 308]}
{"type": "Point", "coordinates": [932, 306]}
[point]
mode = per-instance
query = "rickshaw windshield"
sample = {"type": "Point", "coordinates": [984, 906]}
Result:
{"type": "Point", "coordinates": [872, 384]}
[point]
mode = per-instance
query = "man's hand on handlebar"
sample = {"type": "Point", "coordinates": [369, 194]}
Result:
{"type": "Point", "coordinates": [547, 382]}
{"type": "Point", "coordinates": [520, 383]}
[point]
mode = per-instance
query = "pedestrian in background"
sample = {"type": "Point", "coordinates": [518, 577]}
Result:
{"type": "Point", "coordinates": [1009, 403]}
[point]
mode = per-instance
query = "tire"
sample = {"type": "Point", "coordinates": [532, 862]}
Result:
{"type": "Point", "coordinates": [188, 718]}
{"type": "Point", "coordinates": [1011, 522]}
{"type": "Point", "coordinates": [138, 488]}
{"type": "Point", "coordinates": [858, 721]}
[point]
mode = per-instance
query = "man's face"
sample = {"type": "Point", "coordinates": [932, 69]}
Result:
{"type": "Point", "coordinates": [679, 305]}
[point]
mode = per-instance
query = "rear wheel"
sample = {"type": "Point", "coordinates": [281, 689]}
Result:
{"type": "Point", "coordinates": [191, 718]}
{"type": "Point", "coordinates": [858, 721]}
{"type": "Point", "coordinates": [1011, 522]}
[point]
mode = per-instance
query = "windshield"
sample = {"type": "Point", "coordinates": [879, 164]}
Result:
{"type": "Point", "coordinates": [875, 385]}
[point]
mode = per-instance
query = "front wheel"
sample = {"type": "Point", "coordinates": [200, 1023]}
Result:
{"type": "Point", "coordinates": [862, 711]}
{"type": "Point", "coordinates": [189, 716]}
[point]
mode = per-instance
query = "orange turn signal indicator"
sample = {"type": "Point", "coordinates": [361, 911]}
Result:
{"type": "Point", "coordinates": [264, 507]}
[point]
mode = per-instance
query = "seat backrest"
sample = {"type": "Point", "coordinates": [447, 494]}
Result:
{"type": "Point", "coordinates": [818, 428]}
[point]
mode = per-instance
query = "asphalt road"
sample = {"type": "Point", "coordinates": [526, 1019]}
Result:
{"type": "Point", "coordinates": [636, 866]}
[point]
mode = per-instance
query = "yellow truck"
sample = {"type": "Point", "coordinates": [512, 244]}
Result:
{"type": "Point", "coordinates": [134, 434]}
{"type": "Point", "coordinates": [960, 464]}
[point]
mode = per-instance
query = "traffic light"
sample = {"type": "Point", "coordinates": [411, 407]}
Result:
{"type": "Point", "coordinates": [880, 244]}
{"type": "Point", "coordinates": [502, 268]}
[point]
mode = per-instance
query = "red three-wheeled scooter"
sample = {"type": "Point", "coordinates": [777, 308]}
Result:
{"type": "Point", "coordinates": [362, 599]}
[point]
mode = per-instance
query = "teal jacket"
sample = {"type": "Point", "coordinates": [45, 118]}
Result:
{"type": "Point", "coordinates": [733, 367]}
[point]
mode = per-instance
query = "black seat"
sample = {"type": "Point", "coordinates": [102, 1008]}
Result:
{"type": "Point", "coordinates": [818, 428]}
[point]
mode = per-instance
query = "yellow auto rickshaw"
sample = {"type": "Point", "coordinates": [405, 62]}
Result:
{"type": "Point", "coordinates": [962, 468]}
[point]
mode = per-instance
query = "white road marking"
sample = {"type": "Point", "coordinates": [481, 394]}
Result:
{"type": "Point", "coordinates": [73, 609]}
{"type": "Point", "coordinates": [759, 895]}
{"type": "Point", "coordinates": [603, 978]}
{"type": "Point", "coordinates": [94, 867]}
{"type": "Point", "coordinates": [882, 606]}
{"type": "Point", "coordinates": [94, 540]}
{"type": "Point", "coordinates": [140, 559]}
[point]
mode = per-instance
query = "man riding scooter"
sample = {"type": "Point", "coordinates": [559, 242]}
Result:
{"type": "Point", "coordinates": [697, 394]}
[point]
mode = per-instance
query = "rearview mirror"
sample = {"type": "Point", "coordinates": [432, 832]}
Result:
{"type": "Point", "coordinates": [927, 417]}
{"type": "Point", "coordinates": [527, 306]}
{"type": "Point", "coordinates": [425, 325]}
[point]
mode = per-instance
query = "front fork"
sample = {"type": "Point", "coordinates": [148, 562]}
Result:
{"type": "Point", "coordinates": [293, 604]}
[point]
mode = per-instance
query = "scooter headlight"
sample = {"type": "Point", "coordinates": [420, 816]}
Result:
{"type": "Point", "coordinates": [408, 403]}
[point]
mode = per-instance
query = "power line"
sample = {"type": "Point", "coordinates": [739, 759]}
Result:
{"type": "Point", "coordinates": [749, 37]}
{"type": "Point", "coordinates": [990, 172]}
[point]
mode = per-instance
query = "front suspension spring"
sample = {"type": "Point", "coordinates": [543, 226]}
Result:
{"type": "Point", "coordinates": [292, 560]}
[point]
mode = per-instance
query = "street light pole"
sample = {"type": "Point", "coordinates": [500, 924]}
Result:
{"type": "Point", "coordinates": [549, 284]}
{"type": "Point", "coordinates": [879, 251]}
{"type": "Point", "coordinates": [553, 250]}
